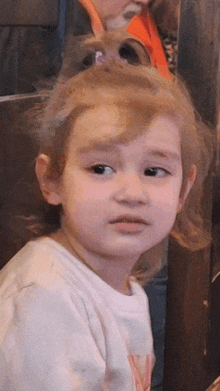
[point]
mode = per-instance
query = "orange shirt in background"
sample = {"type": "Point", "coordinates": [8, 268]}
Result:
{"type": "Point", "coordinates": [144, 28]}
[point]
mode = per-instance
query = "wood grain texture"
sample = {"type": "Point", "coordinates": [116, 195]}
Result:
{"type": "Point", "coordinates": [28, 12]}
{"type": "Point", "coordinates": [18, 150]}
{"type": "Point", "coordinates": [189, 273]}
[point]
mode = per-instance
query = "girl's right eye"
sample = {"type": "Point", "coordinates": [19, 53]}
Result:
{"type": "Point", "coordinates": [101, 169]}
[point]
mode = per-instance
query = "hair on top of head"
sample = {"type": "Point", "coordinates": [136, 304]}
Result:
{"type": "Point", "coordinates": [139, 94]}
{"type": "Point", "coordinates": [141, 90]}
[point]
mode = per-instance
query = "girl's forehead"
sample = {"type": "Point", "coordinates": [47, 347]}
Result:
{"type": "Point", "coordinates": [100, 122]}
{"type": "Point", "coordinates": [106, 126]}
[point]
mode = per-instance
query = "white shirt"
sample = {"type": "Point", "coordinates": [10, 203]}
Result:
{"type": "Point", "coordinates": [62, 328]}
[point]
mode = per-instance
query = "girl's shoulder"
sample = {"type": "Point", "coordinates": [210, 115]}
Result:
{"type": "Point", "coordinates": [36, 263]}
{"type": "Point", "coordinates": [34, 288]}
{"type": "Point", "coordinates": [42, 270]}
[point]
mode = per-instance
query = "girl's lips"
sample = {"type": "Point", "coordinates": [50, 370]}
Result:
{"type": "Point", "coordinates": [129, 224]}
{"type": "Point", "coordinates": [129, 227]}
{"type": "Point", "coordinates": [129, 219]}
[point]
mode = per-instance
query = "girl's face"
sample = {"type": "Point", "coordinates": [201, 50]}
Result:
{"type": "Point", "coordinates": [118, 199]}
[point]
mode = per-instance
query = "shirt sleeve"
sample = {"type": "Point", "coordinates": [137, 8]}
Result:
{"type": "Point", "coordinates": [48, 344]}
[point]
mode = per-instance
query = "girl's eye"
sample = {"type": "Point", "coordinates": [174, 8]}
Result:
{"type": "Point", "coordinates": [102, 169]}
{"type": "Point", "coordinates": [155, 172]}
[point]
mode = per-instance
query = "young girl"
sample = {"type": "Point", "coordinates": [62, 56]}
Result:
{"type": "Point", "coordinates": [120, 151]}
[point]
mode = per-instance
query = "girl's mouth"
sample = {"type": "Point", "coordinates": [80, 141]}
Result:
{"type": "Point", "coordinates": [129, 219]}
{"type": "Point", "coordinates": [129, 224]}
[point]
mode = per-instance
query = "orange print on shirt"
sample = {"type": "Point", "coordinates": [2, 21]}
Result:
{"type": "Point", "coordinates": [141, 368]}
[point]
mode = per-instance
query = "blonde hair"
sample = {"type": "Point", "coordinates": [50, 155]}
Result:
{"type": "Point", "coordinates": [140, 94]}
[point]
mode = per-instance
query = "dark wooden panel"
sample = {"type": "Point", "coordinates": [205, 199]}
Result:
{"type": "Point", "coordinates": [27, 55]}
{"type": "Point", "coordinates": [28, 12]}
{"type": "Point", "coordinates": [189, 273]}
{"type": "Point", "coordinates": [186, 322]}
{"type": "Point", "coordinates": [18, 150]}
{"type": "Point", "coordinates": [198, 54]}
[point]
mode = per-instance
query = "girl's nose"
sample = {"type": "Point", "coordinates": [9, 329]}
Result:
{"type": "Point", "coordinates": [131, 190]}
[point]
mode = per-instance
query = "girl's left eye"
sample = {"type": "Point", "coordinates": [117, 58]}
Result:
{"type": "Point", "coordinates": [102, 169]}
{"type": "Point", "coordinates": [155, 172]}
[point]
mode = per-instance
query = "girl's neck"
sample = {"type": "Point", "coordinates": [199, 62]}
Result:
{"type": "Point", "coordinates": [114, 272]}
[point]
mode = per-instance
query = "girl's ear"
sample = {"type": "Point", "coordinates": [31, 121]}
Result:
{"type": "Point", "coordinates": [50, 188]}
{"type": "Point", "coordinates": [190, 182]}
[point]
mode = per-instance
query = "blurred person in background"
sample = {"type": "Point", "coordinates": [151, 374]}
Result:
{"type": "Point", "coordinates": [28, 54]}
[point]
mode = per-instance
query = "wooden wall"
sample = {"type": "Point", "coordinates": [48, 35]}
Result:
{"type": "Point", "coordinates": [189, 273]}
{"type": "Point", "coordinates": [29, 12]}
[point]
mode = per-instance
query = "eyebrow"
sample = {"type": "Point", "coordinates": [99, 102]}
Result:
{"type": "Point", "coordinates": [93, 146]}
{"type": "Point", "coordinates": [165, 154]}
